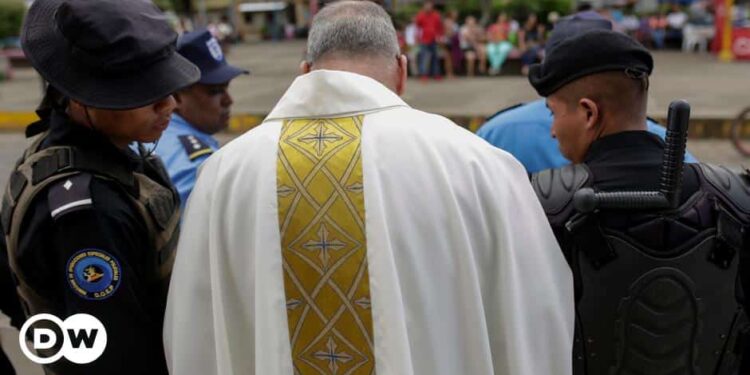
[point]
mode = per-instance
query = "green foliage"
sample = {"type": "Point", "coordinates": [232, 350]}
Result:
{"type": "Point", "coordinates": [11, 17]}
{"type": "Point", "coordinates": [520, 9]}
{"type": "Point", "coordinates": [403, 14]}
{"type": "Point", "coordinates": [165, 4]}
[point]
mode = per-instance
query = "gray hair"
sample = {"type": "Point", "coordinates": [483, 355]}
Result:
{"type": "Point", "coordinates": [352, 29]}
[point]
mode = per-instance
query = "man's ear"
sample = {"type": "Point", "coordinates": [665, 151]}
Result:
{"type": "Point", "coordinates": [403, 72]}
{"type": "Point", "coordinates": [591, 110]}
{"type": "Point", "coordinates": [305, 67]}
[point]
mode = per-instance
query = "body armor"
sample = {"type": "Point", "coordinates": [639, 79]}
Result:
{"type": "Point", "coordinates": [657, 292]}
{"type": "Point", "coordinates": [149, 192]}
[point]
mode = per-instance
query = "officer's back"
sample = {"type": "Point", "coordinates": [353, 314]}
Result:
{"type": "Point", "coordinates": [655, 290]}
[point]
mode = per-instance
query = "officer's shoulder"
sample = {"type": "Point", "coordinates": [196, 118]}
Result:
{"type": "Point", "coordinates": [555, 187]}
{"type": "Point", "coordinates": [193, 146]}
{"type": "Point", "coordinates": [87, 191]}
{"type": "Point", "coordinates": [505, 111]}
{"type": "Point", "coordinates": [731, 187]}
{"type": "Point", "coordinates": [517, 114]}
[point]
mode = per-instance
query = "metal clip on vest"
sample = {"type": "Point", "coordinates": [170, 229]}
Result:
{"type": "Point", "coordinates": [668, 196]}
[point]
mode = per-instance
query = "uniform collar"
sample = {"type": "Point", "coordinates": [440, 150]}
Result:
{"type": "Point", "coordinates": [64, 132]}
{"type": "Point", "coordinates": [328, 93]}
{"type": "Point", "coordinates": [635, 141]}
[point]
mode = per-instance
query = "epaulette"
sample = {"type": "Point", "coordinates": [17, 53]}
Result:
{"type": "Point", "coordinates": [69, 194]}
{"type": "Point", "coordinates": [500, 112]}
{"type": "Point", "coordinates": [194, 147]}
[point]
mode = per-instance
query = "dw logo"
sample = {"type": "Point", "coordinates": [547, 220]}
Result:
{"type": "Point", "coordinates": [81, 338]}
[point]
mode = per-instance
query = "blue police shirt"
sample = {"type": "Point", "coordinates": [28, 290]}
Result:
{"type": "Point", "coordinates": [183, 149]}
{"type": "Point", "coordinates": [524, 132]}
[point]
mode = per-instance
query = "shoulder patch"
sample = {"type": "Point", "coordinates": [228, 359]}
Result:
{"type": "Point", "coordinates": [194, 147]}
{"type": "Point", "coordinates": [70, 194]}
{"type": "Point", "coordinates": [93, 274]}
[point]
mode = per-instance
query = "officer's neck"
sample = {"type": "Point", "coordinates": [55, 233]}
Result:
{"type": "Point", "coordinates": [616, 125]}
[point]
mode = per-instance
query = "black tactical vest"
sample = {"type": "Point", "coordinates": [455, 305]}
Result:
{"type": "Point", "coordinates": [657, 293]}
{"type": "Point", "coordinates": [149, 192]}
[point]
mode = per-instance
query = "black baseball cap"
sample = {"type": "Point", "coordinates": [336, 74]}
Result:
{"type": "Point", "coordinates": [110, 54]}
{"type": "Point", "coordinates": [589, 52]}
{"type": "Point", "coordinates": [203, 50]}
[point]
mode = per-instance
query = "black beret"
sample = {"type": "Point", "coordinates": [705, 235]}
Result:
{"type": "Point", "coordinates": [591, 52]}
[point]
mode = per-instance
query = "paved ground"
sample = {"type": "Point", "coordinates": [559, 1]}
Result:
{"type": "Point", "coordinates": [714, 89]}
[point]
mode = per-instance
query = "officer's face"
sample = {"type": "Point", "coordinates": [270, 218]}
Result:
{"type": "Point", "coordinates": [122, 127]}
{"type": "Point", "coordinates": [571, 128]}
{"type": "Point", "coordinates": [206, 107]}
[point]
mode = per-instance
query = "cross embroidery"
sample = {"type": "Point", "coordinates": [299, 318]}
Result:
{"type": "Point", "coordinates": [320, 137]}
{"type": "Point", "coordinates": [324, 245]}
{"type": "Point", "coordinates": [332, 357]}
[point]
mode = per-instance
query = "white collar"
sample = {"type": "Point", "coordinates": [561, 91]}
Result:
{"type": "Point", "coordinates": [328, 93]}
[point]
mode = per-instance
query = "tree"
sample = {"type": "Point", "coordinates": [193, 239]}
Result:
{"type": "Point", "coordinates": [11, 17]}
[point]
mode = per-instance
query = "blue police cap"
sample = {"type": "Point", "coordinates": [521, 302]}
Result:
{"type": "Point", "coordinates": [203, 50]}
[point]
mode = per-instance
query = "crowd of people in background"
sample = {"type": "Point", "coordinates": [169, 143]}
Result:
{"type": "Point", "coordinates": [445, 44]}
{"type": "Point", "coordinates": [439, 45]}
{"type": "Point", "coordinates": [678, 26]}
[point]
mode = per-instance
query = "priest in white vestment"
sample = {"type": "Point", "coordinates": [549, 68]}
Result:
{"type": "Point", "coordinates": [352, 234]}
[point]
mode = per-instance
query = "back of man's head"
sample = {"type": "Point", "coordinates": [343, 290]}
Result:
{"type": "Point", "coordinates": [584, 6]}
{"type": "Point", "coordinates": [352, 29]}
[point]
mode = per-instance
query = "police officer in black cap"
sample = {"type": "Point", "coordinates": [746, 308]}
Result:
{"type": "Point", "coordinates": [90, 225]}
{"type": "Point", "coordinates": [657, 292]}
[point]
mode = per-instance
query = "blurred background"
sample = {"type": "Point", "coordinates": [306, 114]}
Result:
{"type": "Point", "coordinates": [701, 48]}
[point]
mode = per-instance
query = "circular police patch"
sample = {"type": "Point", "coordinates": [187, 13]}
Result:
{"type": "Point", "coordinates": [93, 274]}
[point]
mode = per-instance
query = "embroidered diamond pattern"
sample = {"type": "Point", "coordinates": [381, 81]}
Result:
{"type": "Point", "coordinates": [324, 244]}
{"type": "Point", "coordinates": [68, 184]}
{"type": "Point", "coordinates": [320, 137]}
{"type": "Point", "coordinates": [324, 247]}
{"type": "Point", "coordinates": [333, 357]}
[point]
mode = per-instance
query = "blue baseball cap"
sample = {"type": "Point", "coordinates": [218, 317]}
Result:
{"type": "Point", "coordinates": [203, 50]}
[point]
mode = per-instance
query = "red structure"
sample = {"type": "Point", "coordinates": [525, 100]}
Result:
{"type": "Point", "coordinates": [740, 41]}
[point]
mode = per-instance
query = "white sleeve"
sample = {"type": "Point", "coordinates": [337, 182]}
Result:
{"type": "Point", "coordinates": [189, 337]}
{"type": "Point", "coordinates": [532, 284]}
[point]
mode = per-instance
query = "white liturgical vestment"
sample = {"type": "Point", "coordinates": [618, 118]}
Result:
{"type": "Point", "coordinates": [418, 249]}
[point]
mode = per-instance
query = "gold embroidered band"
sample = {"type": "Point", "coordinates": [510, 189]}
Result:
{"type": "Point", "coordinates": [323, 245]}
